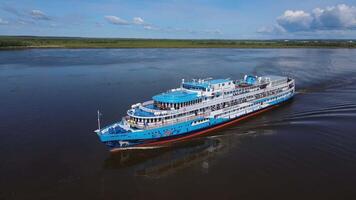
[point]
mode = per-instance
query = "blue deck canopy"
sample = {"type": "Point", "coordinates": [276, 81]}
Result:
{"type": "Point", "coordinates": [204, 85]}
{"type": "Point", "coordinates": [175, 97]}
{"type": "Point", "coordinates": [217, 81]}
{"type": "Point", "coordinates": [250, 80]}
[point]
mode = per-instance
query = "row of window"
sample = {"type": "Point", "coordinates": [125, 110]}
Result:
{"type": "Point", "coordinates": [212, 108]}
{"type": "Point", "coordinates": [200, 120]}
{"type": "Point", "coordinates": [256, 103]}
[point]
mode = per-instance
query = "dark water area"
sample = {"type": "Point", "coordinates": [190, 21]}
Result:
{"type": "Point", "coordinates": [305, 148]}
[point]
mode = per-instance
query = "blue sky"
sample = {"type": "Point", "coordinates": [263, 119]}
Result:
{"type": "Point", "coordinates": [229, 19]}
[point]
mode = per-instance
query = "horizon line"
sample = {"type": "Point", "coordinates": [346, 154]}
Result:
{"type": "Point", "coordinates": [142, 38]}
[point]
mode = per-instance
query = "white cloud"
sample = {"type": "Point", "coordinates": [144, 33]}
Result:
{"type": "Point", "coordinates": [3, 22]}
{"type": "Point", "coordinates": [336, 17]}
{"type": "Point", "coordinates": [265, 29]}
{"type": "Point", "coordinates": [150, 27]}
{"type": "Point", "coordinates": [138, 21]}
{"type": "Point", "coordinates": [340, 18]}
{"type": "Point", "coordinates": [295, 20]}
{"type": "Point", "coordinates": [37, 14]}
{"type": "Point", "coordinates": [147, 26]}
{"type": "Point", "coordinates": [275, 29]}
{"type": "Point", "coordinates": [116, 20]}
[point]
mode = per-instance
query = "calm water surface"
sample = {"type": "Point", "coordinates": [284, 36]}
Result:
{"type": "Point", "coordinates": [49, 98]}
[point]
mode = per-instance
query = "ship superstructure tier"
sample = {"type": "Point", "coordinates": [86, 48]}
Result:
{"type": "Point", "coordinates": [195, 106]}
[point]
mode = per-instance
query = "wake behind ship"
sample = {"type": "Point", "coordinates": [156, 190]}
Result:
{"type": "Point", "coordinates": [195, 108]}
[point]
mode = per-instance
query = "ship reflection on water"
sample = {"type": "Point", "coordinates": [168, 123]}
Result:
{"type": "Point", "coordinates": [201, 152]}
{"type": "Point", "coordinates": [156, 163]}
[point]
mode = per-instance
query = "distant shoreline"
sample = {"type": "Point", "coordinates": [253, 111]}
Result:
{"type": "Point", "coordinates": [31, 42]}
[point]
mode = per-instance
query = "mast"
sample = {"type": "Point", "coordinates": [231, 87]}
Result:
{"type": "Point", "coordinates": [99, 120]}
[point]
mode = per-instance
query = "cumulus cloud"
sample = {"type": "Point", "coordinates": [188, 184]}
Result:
{"type": "Point", "coordinates": [3, 22]}
{"type": "Point", "coordinates": [37, 14]}
{"type": "Point", "coordinates": [337, 18]}
{"type": "Point", "coordinates": [295, 20]}
{"type": "Point", "coordinates": [138, 21]}
{"type": "Point", "coordinates": [116, 20]}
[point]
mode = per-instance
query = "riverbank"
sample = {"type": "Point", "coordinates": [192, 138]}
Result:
{"type": "Point", "coordinates": [24, 42]}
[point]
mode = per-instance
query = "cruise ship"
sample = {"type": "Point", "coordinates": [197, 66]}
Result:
{"type": "Point", "coordinates": [193, 109]}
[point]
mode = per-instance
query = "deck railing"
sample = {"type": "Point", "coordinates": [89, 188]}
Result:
{"type": "Point", "coordinates": [204, 104]}
{"type": "Point", "coordinates": [152, 125]}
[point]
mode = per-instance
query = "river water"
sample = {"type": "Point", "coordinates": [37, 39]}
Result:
{"type": "Point", "coordinates": [305, 148]}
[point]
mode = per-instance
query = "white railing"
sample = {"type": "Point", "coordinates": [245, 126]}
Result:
{"type": "Point", "coordinates": [147, 103]}
{"type": "Point", "coordinates": [204, 104]}
{"type": "Point", "coordinates": [152, 125]}
{"type": "Point", "coordinates": [148, 109]}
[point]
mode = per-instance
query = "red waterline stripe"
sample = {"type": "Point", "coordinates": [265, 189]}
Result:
{"type": "Point", "coordinates": [207, 130]}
